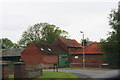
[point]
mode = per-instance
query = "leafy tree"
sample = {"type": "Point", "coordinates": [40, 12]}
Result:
{"type": "Point", "coordinates": [110, 45]}
{"type": "Point", "coordinates": [41, 33]}
{"type": "Point", "coordinates": [6, 43]}
{"type": "Point", "coordinates": [16, 45]}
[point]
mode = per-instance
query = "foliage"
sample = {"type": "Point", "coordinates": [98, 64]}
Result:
{"type": "Point", "coordinates": [16, 45]}
{"type": "Point", "coordinates": [6, 43]}
{"type": "Point", "coordinates": [110, 45]}
{"type": "Point", "coordinates": [41, 33]}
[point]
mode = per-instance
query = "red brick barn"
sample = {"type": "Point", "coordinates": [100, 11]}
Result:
{"type": "Point", "coordinates": [36, 54]}
{"type": "Point", "coordinates": [69, 45]}
{"type": "Point", "coordinates": [93, 56]}
{"type": "Point", "coordinates": [65, 52]}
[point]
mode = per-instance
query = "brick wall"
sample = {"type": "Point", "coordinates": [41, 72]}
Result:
{"type": "Point", "coordinates": [24, 71]}
{"type": "Point", "coordinates": [5, 71]}
{"type": "Point", "coordinates": [33, 71]}
{"type": "Point", "coordinates": [92, 61]}
{"type": "Point", "coordinates": [19, 70]}
{"type": "Point", "coordinates": [50, 59]}
{"type": "Point", "coordinates": [32, 55]}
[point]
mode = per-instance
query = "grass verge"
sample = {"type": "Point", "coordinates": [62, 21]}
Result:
{"type": "Point", "coordinates": [51, 74]}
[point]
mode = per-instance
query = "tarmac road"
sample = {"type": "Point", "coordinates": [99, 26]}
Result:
{"type": "Point", "coordinates": [92, 73]}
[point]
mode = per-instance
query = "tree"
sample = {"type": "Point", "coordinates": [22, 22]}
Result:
{"type": "Point", "coordinates": [6, 43]}
{"type": "Point", "coordinates": [16, 45]}
{"type": "Point", "coordinates": [110, 45]}
{"type": "Point", "coordinates": [41, 33]}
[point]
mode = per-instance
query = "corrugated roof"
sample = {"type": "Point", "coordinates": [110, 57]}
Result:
{"type": "Point", "coordinates": [11, 52]}
{"type": "Point", "coordinates": [48, 48]}
{"type": "Point", "coordinates": [70, 42]}
{"type": "Point", "coordinates": [93, 48]}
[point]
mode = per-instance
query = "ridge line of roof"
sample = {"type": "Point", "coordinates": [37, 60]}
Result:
{"type": "Point", "coordinates": [92, 44]}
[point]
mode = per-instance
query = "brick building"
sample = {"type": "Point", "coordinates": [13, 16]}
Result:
{"type": "Point", "coordinates": [93, 56]}
{"type": "Point", "coordinates": [93, 53]}
{"type": "Point", "coordinates": [65, 52]}
{"type": "Point", "coordinates": [36, 54]}
{"type": "Point", "coordinates": [13, 54]}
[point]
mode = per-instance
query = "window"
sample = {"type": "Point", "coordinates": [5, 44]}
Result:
{"type": "Point", "coordinates": [76, 57]}
{"type": "Point", "coordinates": [49, 49]}
{"type": "Point", "coordinates": [64, 57]}
{"type": "Point", "coordinates": [41, 49]}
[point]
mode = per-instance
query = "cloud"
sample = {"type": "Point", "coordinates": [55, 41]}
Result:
{"type": "Point", "coordinates": [91, 17]}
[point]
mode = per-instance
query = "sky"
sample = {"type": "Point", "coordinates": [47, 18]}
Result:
{"type": "Point", "coordinates": [73, 16]}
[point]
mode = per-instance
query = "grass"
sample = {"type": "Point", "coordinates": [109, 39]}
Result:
{"type": "Point", "coordinates": [83, 69]}
{"type": "Point", "coordinates": [51, 74]}
{"type": "Point", "coordinates": [11, 76]}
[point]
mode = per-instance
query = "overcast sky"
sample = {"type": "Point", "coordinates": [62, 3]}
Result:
{"type": "Point", "coordinates": [73, 16]}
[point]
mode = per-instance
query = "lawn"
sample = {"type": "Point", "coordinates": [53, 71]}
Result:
{"type": "Point", "coordinates": [51, 74]}
{"type": "Point", "coordinates": [11, 76]}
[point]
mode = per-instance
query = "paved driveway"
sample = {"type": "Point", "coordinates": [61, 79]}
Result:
{"type": "Point", "coordinates": [92, 73]}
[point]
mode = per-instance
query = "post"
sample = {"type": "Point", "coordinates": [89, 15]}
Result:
{"type": "Point", "coordinates": [19, 71]}
{"type": "Point", "coordinates": [83, 50]}
{"type": "Point", "coordinates": [57, 67]}
{"type": "Point", "coordinates": [54, 67]}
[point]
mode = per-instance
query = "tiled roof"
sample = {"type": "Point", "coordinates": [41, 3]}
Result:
{"type": "Point", "coordinates": [11, 52]}
{"type": "Point", "coordinates": [48, 48]}
{"type": "Point", "coordinates": [70, 42]}
{"type": "Point", "coordinates": [93, 48]}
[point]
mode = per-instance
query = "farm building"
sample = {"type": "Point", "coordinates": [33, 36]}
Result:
{"type": "Point", "coordinates": [13, 54]}
{"type": "Point", "coordinates": [69, 45]}
{"type": "Point", "coordinates": [93, 56]}
{"type": "Point", "coordinates": [36, 54]}
{"type": "Point", "coordinates": [93, 53]}
{"type": "Point", "coordinates": [65, 53]}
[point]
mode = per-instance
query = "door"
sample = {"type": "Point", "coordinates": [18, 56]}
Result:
{"type": "Point", "coordinates": [63, 60]}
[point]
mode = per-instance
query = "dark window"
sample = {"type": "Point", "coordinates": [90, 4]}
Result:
{"type": "Point", "coordinates": [64, 57]}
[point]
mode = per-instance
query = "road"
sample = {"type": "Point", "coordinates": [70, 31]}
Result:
{"type": "Point", "coordinates": [92, 73]}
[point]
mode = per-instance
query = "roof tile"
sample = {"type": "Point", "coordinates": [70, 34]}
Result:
{"type": "Point", "coordinates": [93, 48]}
{"type": "Point", "coordinates": [70, 42]}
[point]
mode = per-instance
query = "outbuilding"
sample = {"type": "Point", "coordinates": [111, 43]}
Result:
{"type": "Point", "coordinates": [36, 54]}
{"type": "Point", "coordinates": [93, 56]}
{"type": "Point", "coordinates": [65, 53]}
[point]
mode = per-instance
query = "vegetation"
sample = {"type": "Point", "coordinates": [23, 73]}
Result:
{"type": "Point", "coordinates": [51, 74]}
{"type": "Point", "coordinates": [6, 43]}
{"type": "Point", "coordinates": [41, 33]}
{"type": "Point", "coordinates": [11, 76]}
{"type": "Point", "coordinates": [110, 45]}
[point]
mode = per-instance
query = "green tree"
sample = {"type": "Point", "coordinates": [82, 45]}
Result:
{"type": "Point", "coordinates": [41, 33]}
{"type": "Point", "coordinates": [110, 45]}
{"type": "Point", "coordinates": [16, 45]}
{"type": "Point", "coordinates": [6, 43]}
